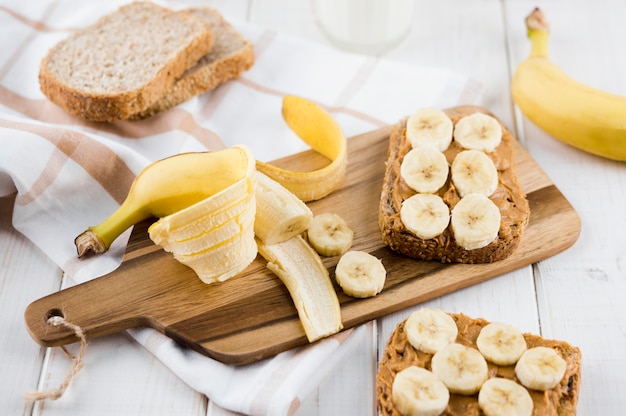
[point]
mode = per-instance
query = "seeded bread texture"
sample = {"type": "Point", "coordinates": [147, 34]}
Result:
{"type": "Point", "coordinates": [509, 197]}
{"type": "Point", "coordinates": [231, 55]}
{"type": "Point", "coordinates": [124, 62]}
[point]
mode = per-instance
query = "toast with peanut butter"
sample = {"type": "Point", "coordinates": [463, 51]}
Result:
{"type": "Point", "coordinates": [450, 191]}
{"type": "Point", "coordinates": [401, 356]}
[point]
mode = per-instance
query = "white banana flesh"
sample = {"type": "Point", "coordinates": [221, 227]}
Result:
{"type": "Point", "coordinates": [329, 234]}
{"type": "Point", "coordinates": [214, 237]}
{"type": "Point", "coordinates": [360, 274]}
{"type": "Point", "coordinates": [429, 127]}
{"type": "Point", "coordinates": [473, 172]}
{"type": "Point", "coordinates": [301, 270]}
{"type": "Point", "coordinates": [418, 392]}
{"type": "Point", "coordinates": [424, 169]}
{"type": "Point", "coordinates": [540, 368]}
{"type": "Point", "coordinates": [501, 343]}
{"type": "Point", "coordinates": [462, 369]}
{"type": "Point", "coordinates": [478, 131]}
{"type": "Point", "coordinates": [430, 330]}
{"type": "Point", "coordinates": [425, 215]}
{"type": "Point", "coordinates": [475, 221]}
{"type": "Point", "coordinates": [504, 397]}
{"type": "Point", "coordinates": [280, 215]}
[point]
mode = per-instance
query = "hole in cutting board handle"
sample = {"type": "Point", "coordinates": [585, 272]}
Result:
{"type": "Point", "coordinates": [53, 315]}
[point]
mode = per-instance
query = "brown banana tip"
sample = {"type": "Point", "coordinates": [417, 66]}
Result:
{"type": "Point", "coordinates": [536, 20]}
{"type": "Point", "coordinates": [88, 242]}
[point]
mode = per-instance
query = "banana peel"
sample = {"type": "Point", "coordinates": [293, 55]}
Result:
{"type": "Point", "coordinates": [316, 127]}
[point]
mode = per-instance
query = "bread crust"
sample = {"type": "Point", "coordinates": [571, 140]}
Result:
{"type": "Point", "coordinates": [399, 354]}
{"type": "Point", "coordinates": [121, 105]}
{"type": "Point", "coordinates": [230, 56]}
{"type": "Point", "coordinates": [508, 196]}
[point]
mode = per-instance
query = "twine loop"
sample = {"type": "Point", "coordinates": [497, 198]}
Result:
{"type": "Point", "coordinates": [77, 363]}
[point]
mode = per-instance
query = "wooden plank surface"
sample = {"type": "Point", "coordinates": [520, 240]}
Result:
{"type": "Point", "coordinates": [252, 316]}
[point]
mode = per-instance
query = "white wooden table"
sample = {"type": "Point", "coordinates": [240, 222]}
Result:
{"type": "Point", "coordinates": [576, 295]}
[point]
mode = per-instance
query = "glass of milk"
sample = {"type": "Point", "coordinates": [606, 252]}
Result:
{"type": "Point", "coordinates": [364, 26]}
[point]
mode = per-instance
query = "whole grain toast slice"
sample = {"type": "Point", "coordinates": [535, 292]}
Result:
{"type": "Point", "coordinates": [231, 55]}
{"type": "Point", "coordinates": [124, 62]}
{"type": "Point", "coordinates": [400, 354]}
{"type": "Point", "coordinates": [509, 197]}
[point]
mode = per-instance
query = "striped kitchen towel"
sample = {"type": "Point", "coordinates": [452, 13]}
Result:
{"type": "Point", "coordinates": [69, 173]}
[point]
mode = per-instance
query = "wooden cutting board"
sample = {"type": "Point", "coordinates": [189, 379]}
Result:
{"type": "Point", "coordinates": [252, 316]}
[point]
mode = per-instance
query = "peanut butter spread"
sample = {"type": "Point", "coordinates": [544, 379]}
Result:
{"type": "Point", "coordinates": [509, 197]}
{"type": "Point", "coordinates": [399, 354]}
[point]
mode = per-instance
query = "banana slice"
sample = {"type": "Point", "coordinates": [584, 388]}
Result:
{"type": "Point", "coordinates": [430, 330]}
{"type": "Point", "coordinates": [360, 274]}
{"type": "Point", "coordinates": [425, 215]}
{"type": "Point", "coordinates": [329, 234]}
{"type": "Point", "coordinates": [473, 171]}
{"type": "Point", "coordinates": [478, 131]}
{"type": "Point", "coordinates": [504, 397]}
{"type": "Point", "coordinates": [462, 369]}
{"type": "Point", "coordinates": [424, 169]}
{"type": "Point", "coordinates": [501, 343]}
{"type": "Point", "coordinates": [429, 127]}
{"type": "Point", "coordinates": [475, 221]}
{"type": "Point", "coordinates": [418, 392]}
{"type": "Point", "coordinates": [540, 368]}
{"type": "Point", "coordinates": [280, 215]}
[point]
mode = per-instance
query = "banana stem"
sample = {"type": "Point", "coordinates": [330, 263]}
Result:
{"type": "Point", "coordinates": [99, 238]}
{"type": "Point", "coordinates": [538, 33]}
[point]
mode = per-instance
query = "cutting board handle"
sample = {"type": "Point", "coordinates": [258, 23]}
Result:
{"type": "Point", "coordinates": [102, 306]}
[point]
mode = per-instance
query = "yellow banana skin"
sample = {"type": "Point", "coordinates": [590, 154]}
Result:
{"type": "Point", "coordinates": [168, 186]}
{"type": "Point", "coordinates": [577, 114]}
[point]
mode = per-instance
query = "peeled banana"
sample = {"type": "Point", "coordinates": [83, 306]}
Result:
{"type": "Point", "coordinates": [167, 186]}
{"type": "Point", "coordinates": [575, 113]}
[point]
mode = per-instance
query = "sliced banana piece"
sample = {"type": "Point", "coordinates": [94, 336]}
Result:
{"type": "Point", "coordinates": [418, 392]}
{"type": "Point", "coordinates": [501, 343]}
{"type": "Point", "coordinates": [429, 127]}
{"type": "Point", "coordinates": [478, 131]}
{"type": "Point", "coordinates": [430, 330]}
{"type": "Point", "coordinates": [425, 215]}
{"type": "Point", "coordinates": [360, 274]}
{"type": "Point", "coordinates": [504, 397]}
{"type": "Point", "coordinates": [280, 215]}
{"type": "Point", "coordinates": [472, 171]}
{"type": "Point", "coordinates": [475, 221]}
{"type": "Point", "coordinates": [540, 368]}
{"type": "Point", "coordinates": [462, 369]}
{"type": "Point", "coordinates": [329, 234]}
{"type": "Point", "coordinates": [424, 169]}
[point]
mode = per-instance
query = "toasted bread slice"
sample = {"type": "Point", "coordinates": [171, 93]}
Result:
{"type": "Point", "coordinates": [400, 354]}
{"type": "Point", "coordinates": [231, 55]}
{"type": "Point", "coordinates": [124, 62]}
{"type": "Point", "coordinates": [509, 197]}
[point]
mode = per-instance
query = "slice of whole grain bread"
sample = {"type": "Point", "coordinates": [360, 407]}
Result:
{"type": "Point", "coordinates": [231, 55]}
{"type": "Point", "coordinates": [124, 62]}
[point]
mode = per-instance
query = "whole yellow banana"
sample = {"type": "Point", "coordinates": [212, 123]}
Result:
{"type": "Point", "coordinates": [168, 186]}
{"type": "Point", "coordinates": [575, 113]}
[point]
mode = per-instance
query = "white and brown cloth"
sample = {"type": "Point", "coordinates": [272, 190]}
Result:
{"type": "Point", "coordinates": [69, 173]}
